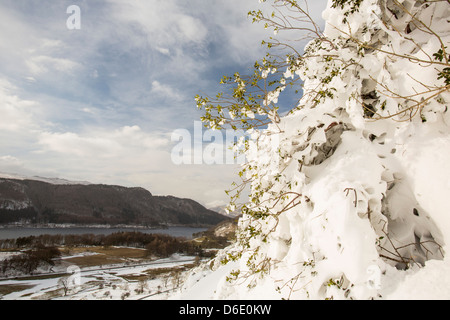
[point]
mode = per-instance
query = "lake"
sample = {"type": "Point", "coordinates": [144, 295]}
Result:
{"type": "Point", "coordinates": [17, 232]}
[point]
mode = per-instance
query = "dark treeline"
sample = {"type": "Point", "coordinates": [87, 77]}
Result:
{"type": "Point", "coordinates": [42, 250]}
{"type": "Point", "coordinates": [9, 216]}
{"type": "Point", "coordinates": [157, 244]}
{"type": "Point", "coordinates": [28, 261]}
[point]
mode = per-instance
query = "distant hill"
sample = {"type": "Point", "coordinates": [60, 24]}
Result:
{"type": "Point", "coordinates": [222, 210]}
{"type": "Point", "coordinates": [16, 176]}
{"type": "Point", "coordinates": [41, 202]}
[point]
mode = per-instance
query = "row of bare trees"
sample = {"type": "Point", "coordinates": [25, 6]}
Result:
{"type": "Point", "coordinates": [158, 244]}
{"type": "Point", "coordinates": [28, 261]}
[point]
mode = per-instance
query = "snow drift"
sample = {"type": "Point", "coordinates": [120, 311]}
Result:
{"type": "Point", "coordinates": [353, 185]}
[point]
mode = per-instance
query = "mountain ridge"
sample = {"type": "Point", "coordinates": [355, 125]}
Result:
{"type": "Point", "coordinates": [36, 201]}
{"type": "Point", "coordinates": [55, 180]}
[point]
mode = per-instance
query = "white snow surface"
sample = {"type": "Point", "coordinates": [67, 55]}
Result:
{"type": "Point", "coordinates": [372, 219]}
{"type": "Point", "coordinates": [106, 283]}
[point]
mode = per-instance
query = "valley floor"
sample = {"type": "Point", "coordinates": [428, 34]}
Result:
{"type": "Point", "coordinates": [101, 274]}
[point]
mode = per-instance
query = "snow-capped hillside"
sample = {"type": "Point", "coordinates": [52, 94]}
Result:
{"type": "Point", "coordinates": [350, 190]}
{"type": "Point", "coordinates": [56, 181]}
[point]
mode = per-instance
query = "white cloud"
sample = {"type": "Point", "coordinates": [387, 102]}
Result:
{"type": "Point", "coordinates": [190, 28]}
{"type": "Point", "coordinates": [72, 98]}
{"type": "Point", "coordinates": [95, 74]}
{"type": "Point", "coordinates": [26, 46]}
{"type": "Point", "coordinates": [10, 164]}
{"type": "Point", "coordinates": [165, 91]}
{"type": "Point", "coordinates": [69, 143]}
{"type": "Point", "coordinates": [16, 115]}
{"type": "Point", "coordinates": [43, 64]}
{"type": "Point", "coordinates": [127, 155]}
{"type": "Point", "coordinates": [88, 110]}
{"type": "Point", "coordinates": [164, 22]}
{"type": "Point", "coordinates": [164, 51]}
{"type": "Point", "coordinates": [122, 142]}
{"type": "Point", "coordinates": [132, 157]}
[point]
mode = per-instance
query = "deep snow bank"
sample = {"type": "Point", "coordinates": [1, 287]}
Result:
{"type": "Point", "coordinates": [352, 187]}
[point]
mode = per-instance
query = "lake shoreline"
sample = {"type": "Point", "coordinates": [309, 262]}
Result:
{"type": "Point", "coordinates": [86, 226]}
{"type": "Point", "coordinates": [16, 231]}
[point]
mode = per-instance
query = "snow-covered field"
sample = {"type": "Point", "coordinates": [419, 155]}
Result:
{"type": "Point", "coordinates": [431, 282]}
{"type": "Point", "coordinates": [150, 281]}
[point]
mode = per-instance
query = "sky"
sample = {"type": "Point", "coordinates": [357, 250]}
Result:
{"type": "Point", "coordinates": [97, 95]}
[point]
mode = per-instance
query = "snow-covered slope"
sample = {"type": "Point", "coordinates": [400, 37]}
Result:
{"type": "Point", "coordinates": [57, 181]}
{"type": "Point", "coordinates": [357, 179]}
